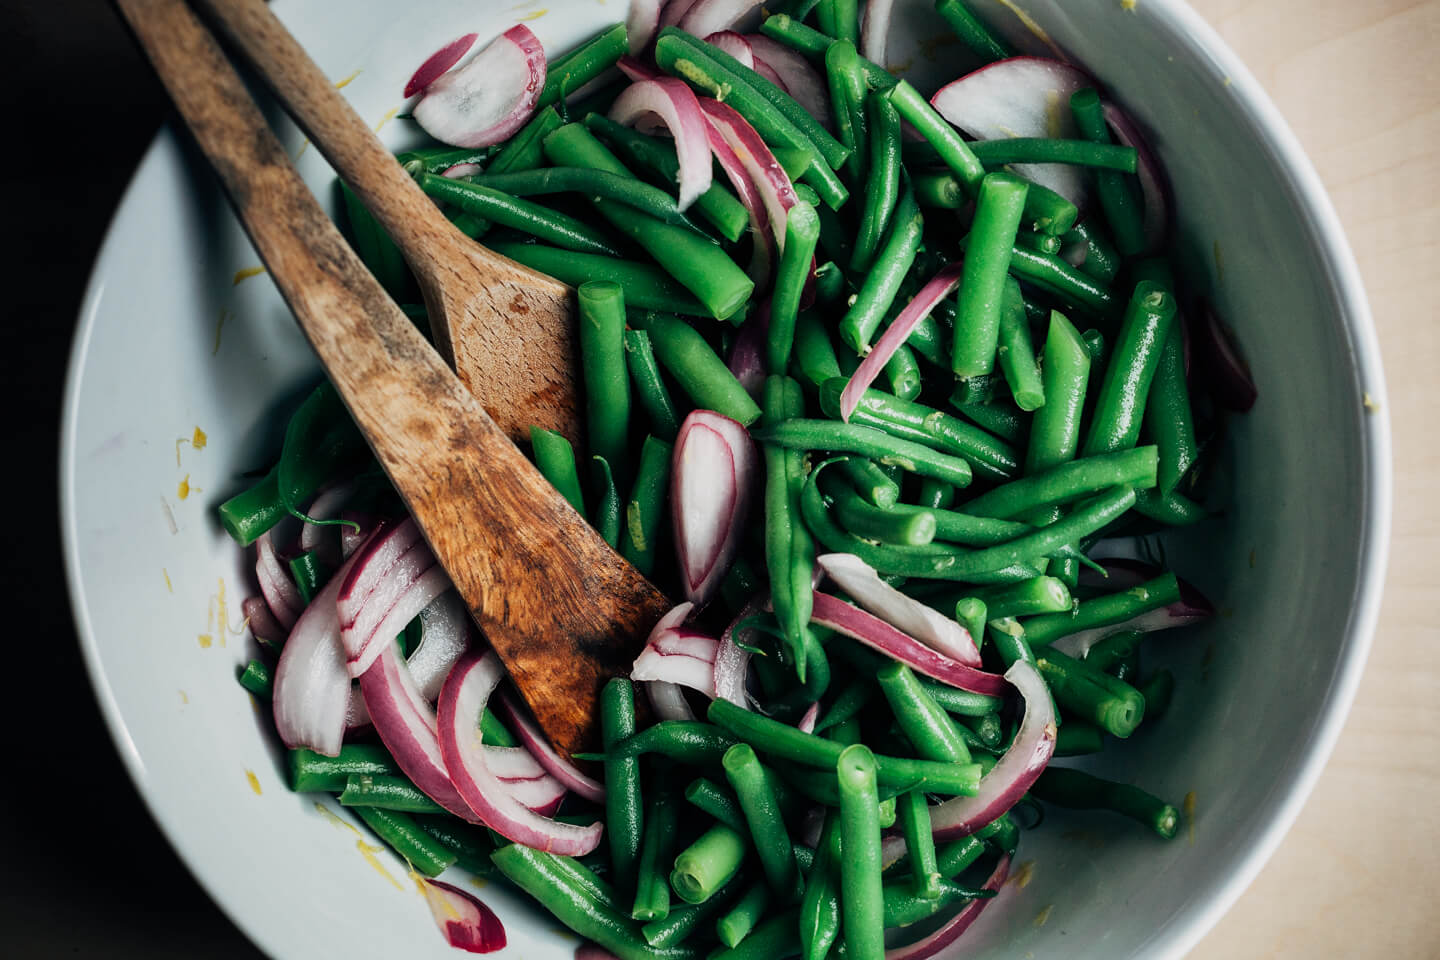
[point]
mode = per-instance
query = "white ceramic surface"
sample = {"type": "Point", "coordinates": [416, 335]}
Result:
{"type": "Point", "coordinates": [170, 340]}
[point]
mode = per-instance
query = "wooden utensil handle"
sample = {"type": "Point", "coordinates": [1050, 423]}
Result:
{"type": "Point", "coordinates": [414, 222]}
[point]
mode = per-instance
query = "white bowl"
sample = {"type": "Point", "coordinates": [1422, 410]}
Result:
{"type": "Point", "coordinates": [171, 339]}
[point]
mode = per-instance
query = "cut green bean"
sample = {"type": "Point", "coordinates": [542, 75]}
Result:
{"type": "Point", "coordinates": [650, 387]}
{"type": "Point", "coordinates": [1078, 738]}
{"type": "Point", "coordinates": [882, 187]}
{"type": "Point", "coordinates": [1057, 277]}
{"type": "Point", "coordinates": [591, 183]}
{"type": "Point", "coordinates": [848, 96]}
{"type": "Point", "coordinates": [695, 366]}
{"type": "Point", "coordinates": [692, 741]}
{"type": "Point", "coordinates": [907, 528]}
{"type": "Point", "coordinates": [1102, 260]}
{"type": "Point", "coordinates": [1000, 202]}
{"type": "Point", "coordinates": [426, 855]}
{"type": "Point", "coordinates": [555, 459]}
{"type": "Point", "coordinates": [913, 813]}
{"type": "Point", "coordinates": [789, 551]}
{"type": "Point", "coordinates": [1126, 385]}
{"type": "Point", "coordinates": [1067, 482]}
{"type": "Point", "coordinates": [1078, 790]}
{"type": "Point", "coordinates": [953, 150]}
{"type": "Point", "coordinates": [1108, 653]}
{"type": "Point", "coordinates": [257, 679]}
{"type": "Point", "coordinates": [1083, 153]}
{"type": "Point", "coordinates": [1105, 611]}
{"type": "Point", "coordinates": [605, 517]}
{"type": "Point", "coordinates": [901, 374]}
{"type": "Point", "coordinates": [525, 150]}
{"type": "Point", "coordinates": [569, 73]}
{"type": "Point", "coordinates": [708, 864]}
{"type": "Point", "coordinates": [1111, 704]}
{"type": "Point", "coordinates": [872, 483]}
{"type": "Point", "coordinates": [644, 520]}
{"type": "Point", "coordinates": [624, 815]}
{"type": "Point", "coordinates": [939, 190]}
{"type": "Point", "coordinates": [1158, 691]}
{"type": "Point", "coordinates": [763, 818]}
{"type": "Point", "coordinates": [927, 726]}
{"type": "Point", "coordinates": [602, 365]}
{"type": "Point", "coordinates": [1117, 192]}
{"type": "Point", "coordinates": [735, 924]}
{"type": "Point", "coordinates": [685, 918]}
{"type": "Point", "coordinates": [861, 894]}
{"type": "Point", "coordinates": [311, 772]}
{"type": "Point", "coordinates": [814, 353]}
{"type": "Point", "coordinates": [545, 224]}
{"type": "Point", "coordinates": [387, 793]}
{"type": "Point", "coordinates": [1015, 353]}
{"type": "Point", "coordinates": [1000, 417]}
{"type": "Point", "coordinates": [1055, 431]}
{"type": "Point", "coordinates": [1025, 599]}
{"type": "Point", "coordinates": [972, 31]}
{"type": "Point", "coordinates": [820, 905]}
{"type": "Point", "coordinates": [646, 286]}
{"type": "Point", "coordinates": [652, 886]}
{"type": "Point", "coordinates": [882, 282]}
{"type": "Point", "coordinates": [805, 434]}
{"type": "Point", "coordinates": [802, 232]}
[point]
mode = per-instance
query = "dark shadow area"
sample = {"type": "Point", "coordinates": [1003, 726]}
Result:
{"type": "Point", "coordinates": [84, 871]}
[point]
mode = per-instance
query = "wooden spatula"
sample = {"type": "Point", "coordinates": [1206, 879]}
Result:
{"type": "Point", "coordinates": [562, 609]}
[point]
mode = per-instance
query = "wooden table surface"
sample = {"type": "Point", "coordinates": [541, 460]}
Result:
{"type": "Point", "coordinates": [85, 873]}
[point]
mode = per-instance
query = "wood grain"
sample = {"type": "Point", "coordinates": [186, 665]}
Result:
{"type": "Point", "coordinates": [507, 330]}
{"type": "Point", "coordinates": [562, 609]}
{"type": "Point", "coordinates": [1357, 875]}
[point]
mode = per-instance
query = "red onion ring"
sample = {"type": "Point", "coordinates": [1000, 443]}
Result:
{"type": "Point", "coordinates": [732, 661]}
{"type": "Point", "coordinates": [935, 290]}
{"type": "Point", "coordinates": [279, 591]}
{"type": "Point", "coordinates": [713, 479]}
{"type": "Point", "coordinates": [798, 78]}
{"type": "Point", "coordinates": [764, 171]}
{"type": "Point", "coordinates": [555, 765]}
{"type": "Point", "coordinates": [263, 625]}
{"type": "Point", "coordinates": [906, 614]}
{"type": "Point", "coordinates": [875, 30]}
{"type": "Point", "coordinates": [466, 923]}
{"type": "Point", "coordinates": [762, 255]}
{"type": "Point", "coordinates": [641, 22]}
{"type": "Point", "coordinates": [396, 577]}
{"type": "Point", "coordinates": [709, 16]}
{"type": "Point", "coordinates": [675, 104]}
{"type": "Point", "coordinates": [466, 692]}
{"type": "Point", "coordinates": [747, 353]}
{"type": "Point", "coordinates": [488, 99]}
{"type": "Point", "coordinates": [324, 507]}
{"type": "Point", "coordinates": [636, 70]}
{"type": "Point", "coordinates": [879, 635]}
{"type": "Point", "coordinates": [806, 723]}
{"type": "Point", "coordinates": [437, 63]}
{"type": "Point", "coordinates": [732, 43]}
{"type": "Point", "coordinates": [1015, 771]}
{"type": "Point", "coordinates": [928, 946]}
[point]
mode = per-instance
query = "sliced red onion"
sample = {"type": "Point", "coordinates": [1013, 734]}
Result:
{"type": "Point", "coordinates": [930, 295]}
{"type": "Point", "coordinates": [762, 253]}
{"type": "Point", "coordinates": [674, 11]}
{"type": "Point", "coordinates": [540, 794]}
{"type": "Point", "coordinates": [875, 30]}
{"type": "Point", "coordinates": [406, 724]}
{"type": "Point", "coordinates": [732, 660]}
{"type": "Point", "coordinates": [636, 70]}
{"type": "Point", "coordinates": [488, 99]}
{"type": "Point", "coordinates": [357, 529]}
{"type": "Point", "coordinates": [555, 765]}
{"type": "Point", "coordinates": [684, 657]}
{"type": "Point", "coordinates": [1015, 771]}
{"type": "Point", "coordinates": [675, 104]}
{"type": "Point", "coordinates": [906, 614]}
{"type": "Point", "coordinates": [263, 625]}
{"type": "Point", "coordinates": [668, 701]}
{"type": "Point", "coordinates": [1154, 184]}
{"type": "Point", "coordinates": [735, 45]}
{"type": "Point", "coordinates": [276, 587]}
{"type": "Point", "coordinates": [467, 690]}
{"type": "Point", "coordinates": [641, 23]}
{"type": "Point", "coordinates": [438, 62]}
{"type": "Point", "coordinates": [747, 353]}
{"type": "Point", "coordinates": [312, 686]}
{"type": "Point", "coordinates": [512, 763]}
{"type": "Point", "coordinates": [467, 923]}
{"type": "Point", "coordinates": [1121, 573]}
{"type": "Point", "coordinates": [1190, 608]}
{"type": "Point", "coordinates": [712, 482]}
{"type": "Point", "coordinates": [878, 635]}
{"type": "Point", "coordinates": [396, 577]}
{"type": "Point", "coordinates": [1020, 97]}
{"type": "Point", "coordinates": [934, 943]}
{"type": "Point", "coordinates": [798, 78]}
{"type": "Point", "coordinates": [459, 171]}
{"type": "Point", "coordinates": [806, 724]}
{"type": "Point", "coordinates": [765, 172]}
{"type": "Point", "coordinates": [1226, 371]}
{"type": "Point", "coordinates": [444, 636]}
{"type": "Point", "coordinates": [708, 16]}
{"type": "Point", "coordinates": [324, 507]}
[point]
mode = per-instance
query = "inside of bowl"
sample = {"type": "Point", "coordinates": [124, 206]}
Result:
{"type": "Point", "coordinates": [157, 584]}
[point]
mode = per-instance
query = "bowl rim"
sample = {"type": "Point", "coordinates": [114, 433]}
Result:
{"type": "Point", "coordinates": [1318, 217]}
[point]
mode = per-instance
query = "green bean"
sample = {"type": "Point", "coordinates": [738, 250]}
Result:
{"type": "Point", "coordinates": [788, 743]}
{"type": "Point", "coordinates": [802, 231]}
{"type": "Point", "coordinates": [257, 679]}
{"type": "Point", "coordinates": [848, 96]}
{"type": "Point", "coordinates": [311, 772]}
{"type": "Point", "coordinates": [908, 528]}
{"type": "Point", "coordinates": [819, 786]}
{"type": "Point", "coordinates": [914, 815]}
{"type": "Point", "coordinates": [555, 459]}
{"type": "Point", "coordinates": [685, 918]}
{"type": "Point", "coordinates": [592, 183]}
{"type": "Point", "coordinates": [778, 936]}
{"type": "Point", "coordinates": [1106, 610]}
{"type": "Point", "coordinates": [1176, 509]}
{"type": "Point", "coordinates": [569, 73]}
{"type": "Point", "coordinates": [901, 374]}
{"type": "Point", "coordinates": [861, 895]}
{"type": "Point", "coordinates": [917, 423]}
{"type": "Point", "coordinates": [953, 150]}
{"type": "Point", "coordinates": [1047, 212]}
{"type": "Point", "coordinates": [1084, 153]}
{"type": "Point", "coordinates": [829, 282]}
{"type": "Point", "coordinates": [814, 353]}
{"type": "Point", "coordinates": [624, 816]}
{"type": "Point", "coordinates": [1078, 738]}
{"type": "Point", "coordinates": [839, 18]}
{"type": "Point", "coordinates": [792, 32]}
{"type": "Point", "coordinates": [1026, 599]}
{"type": "Point", "coordinates": [1111, 704]}
{"type": "Point", "coordinates": [650, 387]}
{"type": "Point", "coordinates": [1000, 417]}
{"type": "Point", "coordinates": [1158, 691]}
{"type": "Point", "coordinates": [1040, 243]}
{"type": "Point", "coordinates": [872, 483]}
{"type": "Point", "coordinates": [938, 190]}
{"type": "Point", "coordinates": [1067, 482]}
{"type": "Point", "coordinates": [699, 265]}
{"type": "Point", "coordinates": [1057, 277]}
{"type": "Point", "coordinates": [715, 800]}
{"type": "Point", "coordinates": [708, 864]}
{"type": "Point", "coordinates": [972, 614]}
{"type": "Point", "coordinates": [1055, 431]}
{"type": "Point", "coordinates": [1118, 197]}
{"type": "Point", "coordinates": [904, 906]}
{"type": "Point", "coordinates": [987, 729]}
{"type": "Point", "coordinates": [524, 151]}
{"type": "Point", "coordinates": [440, 159]}
{"type": "Point", "coordinates": [882, 187]}
{"type": "Point", "coordinates": [541, 875]}
{"type": "Point", "coordinates": [774, 114]}
{"type": "Point", "coordinates": [695, 366]}
{"type": "Point", "coordinates": [387, 793]}
{"type": "Point", "coordinates": [424, 853]}
{"type": "Point", "coordinates": [927, 340]}
{"type": "Point", "coordinates": [1110, 652]}
{"type": "Point", "coordinates": [1123, 392]}
{"type": "Point", "coordinates": [763, 819]}
{"type": "Point", "coordinates": [1016, 354]}
{"type": "Point", "coordinates": [820, 905]}
{"type": "Point", "coordinates": [737, 922]}
{"type": "Point", "coordinates": [471, 845]}
{"type": "Point", "coordinates": [374, 246]}
{"type": "Point", "coordinates": [1168, 420]}
{"type": "Point", "coordinates": [1010, 641]}
{"type": "Point", "coordinates": [972, 31]}
{"type": "Point", "coordinates": [805, 434]}
{"type": "Point", "coordinates": [652, 888]}
{"type": "Point", "coordinates": [310, 574]}
{"type": "Point", "coordinates": [998, 208]}
{"type": "Point", "coordinates": [718, 205]}
{"type": "Point", "coordinates": [935, 495]}
{"type": "Point", "coordinates": [1078, 790]}
{"type": "Point", "coordinates": [689, 740]}
{"type": "Point", "coordinates": [1102, 260]}
{"type": "Point", "coordinates": [645, 510]}
{"type": "Point", "coordinates": [541, 222]}
{"type": "Point", "coordinates": [646, 287]}
{"type": "Point", "coordinates": [789, 551]}
{"type": "Point", "coordinates": [740, 584]}
{"type": "Point", "coordinates": [927, 726]}
{"type": "Point", "coordinates": [602, 365]}
{"type": "Point", "coordinates": [605, 518]}
{"type": "Point", "coordinates": [882, 282]}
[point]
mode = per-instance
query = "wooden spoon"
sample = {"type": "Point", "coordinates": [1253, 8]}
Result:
{"type": "Point", "coordinates": [563, 610]}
